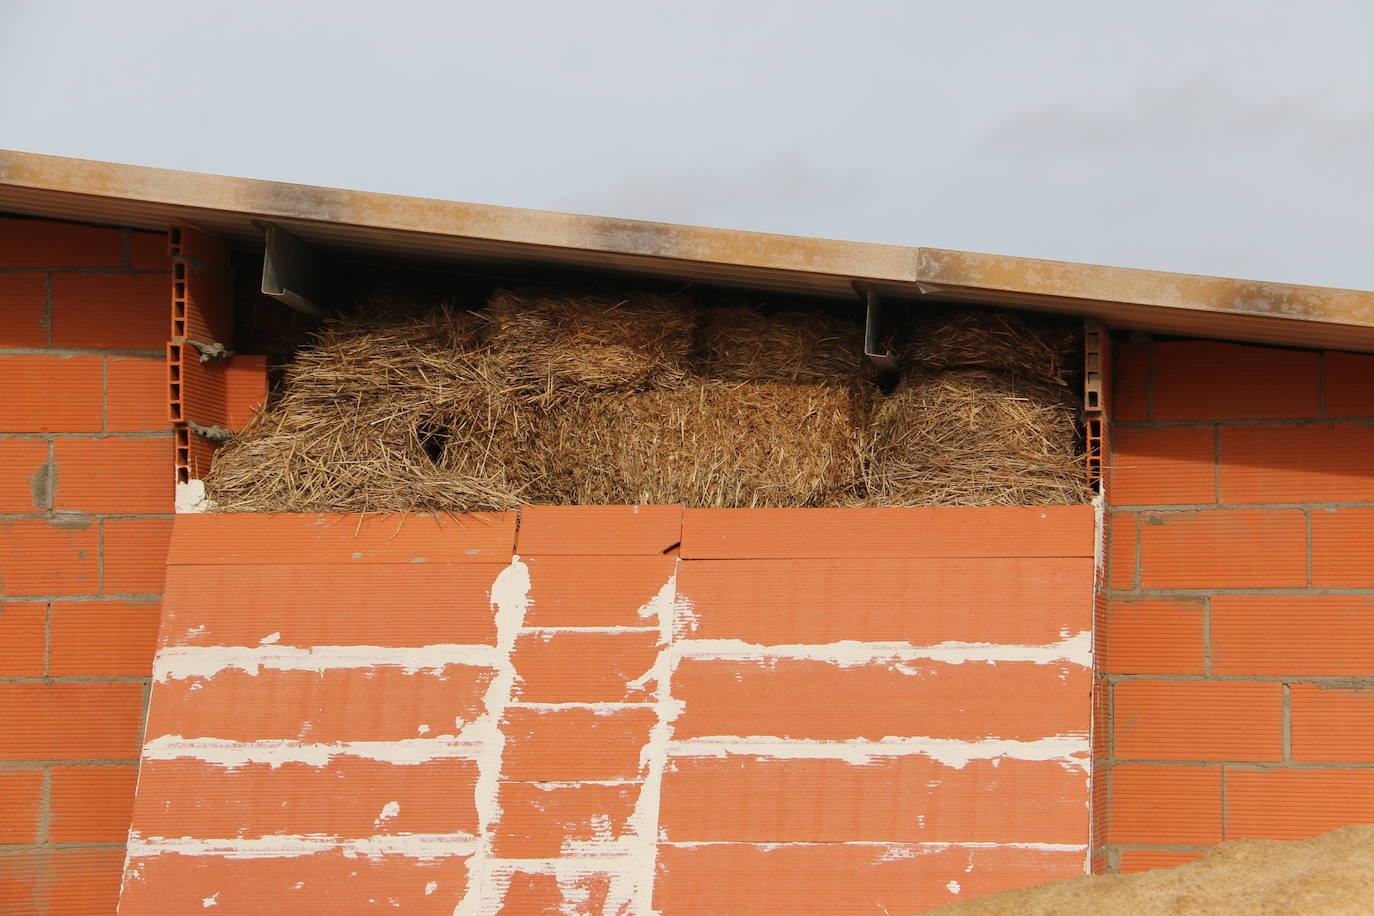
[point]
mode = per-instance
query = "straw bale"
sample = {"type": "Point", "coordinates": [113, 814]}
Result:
{"type": "Point", "coordinates": [972, 437]}
{"type": "Point", "coordinates": [738, 342]}
{"type": "Point", "coordinates": [553, 342]}
{"type": "Point", "coordinates": [709, 444]}
{"type": "Point", "coordinates": [1033, 346]}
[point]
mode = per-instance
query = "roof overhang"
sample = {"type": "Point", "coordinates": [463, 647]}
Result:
{"type": "Point", "coordinates": [417, 231]}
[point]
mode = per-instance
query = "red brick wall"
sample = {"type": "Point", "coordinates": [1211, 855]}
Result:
{"type": "Point", "coordinates": [85, 514]}
{"type": "Point", "coordinates": [1238, 655]}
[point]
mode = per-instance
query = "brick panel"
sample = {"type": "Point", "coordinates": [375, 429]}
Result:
{"type": "Point", "coordinates": [1165, 805]}
{"type": "Point", "coordinates": [48, 557]}
{"type": "Point", "coordinates": [24, 476]}
{"type": "Point", "coordinates": [110, 311]}
{"type": "Point", "coordinates": [1198, 720]}
{"type": "Point", "coordinates": [595, 591]}
{"type": "Point", "coordinates": [69, 882]}
{"type": "Point", "coordinates": [1296, 804]}
{"type": "Point", "coordinates": [1342, 544]}
{"type": "Point", "coordinates": [531, 892]}
{"type": "Point", "coordinates": [113, 475]}
{"type": "Point", "coordinates": [569, 745]}
{"type": "Point", "coordinates": [1134, 860]}
{"type": "Point", "coordinates": [21, 816]}
{"type": "Point", "coordinates": [50, 394]}
{"type": "Point", "coordinates": [80, 721]}
{"type": "Point", "coordinates": [571, 667]}
{"type": "Point", "coordinates": [1153, 636]}
{"type": "Point", "coordinates": [1220, 548]}
{"type": "Point", "coordinates": [599, 530]}
{"type": "Point", "coordinates": [1171, 465]}
{"type": "Point", "coordinates": [136, 555]}
{"type": "Point", "coordinates": [1124, 535]}
{"type": "Point", "coordinates": [40, 243]}
{"type": "Point", "coordinates": [103, 639]}
{"type": "Point", "coordinates": [541, 820]}
{"type": "Point", "coordinates": [23, 639]}
{"type": "Point", "coordinates": [1348, 389]}
{"type": "Point", "coordinates": [23, 310]}
{"type": "Point", "coordinates": [1130, 390]}
{"type": "Point", "coordinates": [91, 804]}
{"type": "Point", "coordinates": [136, 394]}
{"type": "Point", "coordinates": [1211, 380]}
{"type": "Point", "coordinates": [148, 251]}
{"type": "Point", "coordinates": [1302, 635]}
{"type": "Point", "coordinates": [1294, 464]}
{"type": "Point", "coordinates": [1332, 725]}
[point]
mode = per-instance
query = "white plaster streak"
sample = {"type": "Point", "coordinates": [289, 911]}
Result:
{"type": "Point", "coordinates": [181, 662]}
{"type": "Point", "coordinates": [510, 599]}
{"type": "Point", "coordinates": [892, 851]}
{"type": "Point", "coordinates": [410, 845]}
{"type": "Point", "coordinates": [226, 753]}
{"type": "Point", "coordinates": [1068, 750]}
{"type": "Point", "coordinates": [190, 497]}
{"type": "Point", "coordinates": [1075, 649]}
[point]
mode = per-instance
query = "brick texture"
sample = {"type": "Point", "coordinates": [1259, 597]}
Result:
{"type": "Point", "coordinates": [1210, 380]}
{"type": "Point", "coordinates": [23, 310]}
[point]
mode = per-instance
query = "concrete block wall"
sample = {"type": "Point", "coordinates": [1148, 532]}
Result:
{"type": "Point", "coordinates": [1237, 661]}
{"type": "Point", "coordinates": [86, 500]}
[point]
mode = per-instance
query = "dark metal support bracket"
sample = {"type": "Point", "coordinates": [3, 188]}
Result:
{"type": "Point", "coordinates": [874, 348]}
{"type": "Point", "coordinates": [295, 273]}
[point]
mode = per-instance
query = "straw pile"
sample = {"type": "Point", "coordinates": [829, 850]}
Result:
{"type": "Point", "coordinates": [743, 344]}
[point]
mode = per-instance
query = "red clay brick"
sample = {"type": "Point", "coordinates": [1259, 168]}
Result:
{"type": "Point", "coordinates": [569, 745]}
{"type": "Point", "coordinates": [81, 721]}
{"type": "Point", "coordinates": [1130, 391]}
{"type": "Point", "coordinates": [1224, 548]}
{"type": "Point", "coordinates": [1164, 466]}
{"type": "Point", "coordinates": [39, 557]}
{"type": "Point", "coordinates": [1332, 725]}
{"type": "Point", "coordinates": [21, 814]}
{"type": "Point", "coordinates": [1153, 636]}
{"type": "Point", "coordinates": [595, 591]}
{"type": "Point", "coordinates": [24, 475]}
{"type": "Point", "coordinates": [103, 639]}
{"type": "Point", "coordinates": [542, 893]}
{"type": "Point", "coordinates": [1342, 544]}
{"type": "Point", "coordinates": [50, 394]}
{"type": "Point", "coordinates": [928, 601]}
{"type": "Point", "coordinates": [908, 798]}
{"type": "Point", "coordinates": [136, 555]}
{"type": "Point", "coordinates": [571, 667]}
{"type": "Point", "coordinates": [110, 311]}
{"type": "Point", "coordinates": [91, 804]}
{"type": "Point", "coordinates": [148, 251]}
{"type": "Point", "coordinates": [136, 394]}
{"type": "Point", "coordinates": [42, 243]}
{"type": "Point", "coordinates": [1125, 539]}
{"type": "Point", "coordinates": [113, 475]}
{"type": "Point", "coordinates": [599, 530]}
{"type": "Point", "coordinates": [1297, 464]}
{"type": "Point", "coordinates": [337, 704]}
{"type": "Point", "coordinates": [22, 640]}
{"type": "Point", "coordinates": [321, 883]}
{"type": "Point", "coordinates": [23, 310]}
{"type": "Point", "coordinates": [1134, 860]}
{"type": "Point", "coordinates": [61, 881]}
{"type": "Point", "coordinates": [1304, 635]}
{"type": "Point", "coordinates": [1198, 720]}
{"type": "Point", "coordinates": [1296, 804]}
{"type": "Point", "coordinates": [331, 605]}
{"type": "Point", "coordinates": [1348, 376]}
{"type": "Point", "coordinates": [245, 388]}
{"type": "Point", "coordinates": [1211, 380]}
{"type": "Point", "coordinates": [1165, 805]}
{"type": "Point", "coordinates": [348, 797]}
{"type": "Point", "coordinates": [790, 698]}
{"type": "Point", "coordinates": [538, 819]}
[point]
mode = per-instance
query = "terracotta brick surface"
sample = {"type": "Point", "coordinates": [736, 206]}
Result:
{"type": "Point", "coordinates": [1291, 464]}
{"type": "Point", "coordinates": [103, 638]}
{"type": "Point", "coordinates": [399, 605]}
{"type": "Point", "coordinates": [569, 745]}
{"type": "Point", "coordinates": [348, 797]}
{"type": "Point", "coordinates": [47, 557]}
{"type": "Point", "coordinates": [599, 530]}
{"type": "Point", "coordinates": [245, 388]}
{"type": "Point", "coordinates": [321, 883]}
{"type": "Point", "coordinates": [1211, 380]}
{"type": "Point", "coordinates": [91, 804]}
{"type": "Point", "coordinates": [1153, 636]}
{"type": "Point", "coordinates": [1198, 720]}
{"type": "Point", "coordinates": [1169, 465]}
{"type": "Point", "coordinates": [595, 591]}
{"type": "Point", "coordinates": [148, 251]}
{"type": "Point", "coordinates": [1219, 548]}
{"type": "Point", "coordinates": [790, 698]}
{"type": "Point", "coordinates": [23, 640]}
{"type": "Point", "coordinates": [136, 555]}
{"type": "Point", "coordinates": [1165, 805]}
{"type": "Point", "coordinates": [1342, 544]}
{"type": "Point", "coordinates": [24, 475]}
{"type": "Point", "coordinates": [113, 475]}
{"type": "Point", "coordinates": [136, 394]}
{"type": "Point", "coordinates": [539, 820]}
{"type": "Point", "coordinates": [883, 799]}
{"type": "Point", "coordinates": [77, 721]}
{"type": "Point", "coordinates": [337, 704]}
{"type": "Point", "coordinates": [571, 667]}
{"type": "Point", "coordinates": [23, 310]}
{"type": "Point", "coordinates": [61, 881]}
{"type": "Point", "coordinates": [40, 243]}
{"type": "Point", "coordinates": [1348, 389]}
{"type": "Point", "coordinates": [752, 880]}
{"type": "Point", "coordinates": [1131, 377]}
{"type": "Point", "coordinates": [110, 311]}
{"type": "Point", "coordinates": [1311, 635]}
{"type": "Point", "coordinates": [1124, 537]}
{"type": "Point", "coordinates": [1332, 724]}
{"type": "Point", "coordinates": [50, 394]}
{"type": "Point", "coordinates": [1134, 860]}
{"type": "Point", "coordinates": [1296, 804]}
{"type": "Point", "coordinates": [21, 815]}
{"type": "Point", "coordinates": [923, 602]}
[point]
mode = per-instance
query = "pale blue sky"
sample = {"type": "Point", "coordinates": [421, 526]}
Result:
{"type": "Point", "coordinates": [1223, 137]}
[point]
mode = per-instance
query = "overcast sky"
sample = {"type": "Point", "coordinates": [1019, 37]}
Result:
{"type": "Point", "coordinates": [1233, 137]}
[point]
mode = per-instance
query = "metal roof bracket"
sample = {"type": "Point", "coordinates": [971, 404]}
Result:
{"type": "Point", "coordinates": [874, 348]}
{"type": "Point", "coordinates": [295, 273]}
